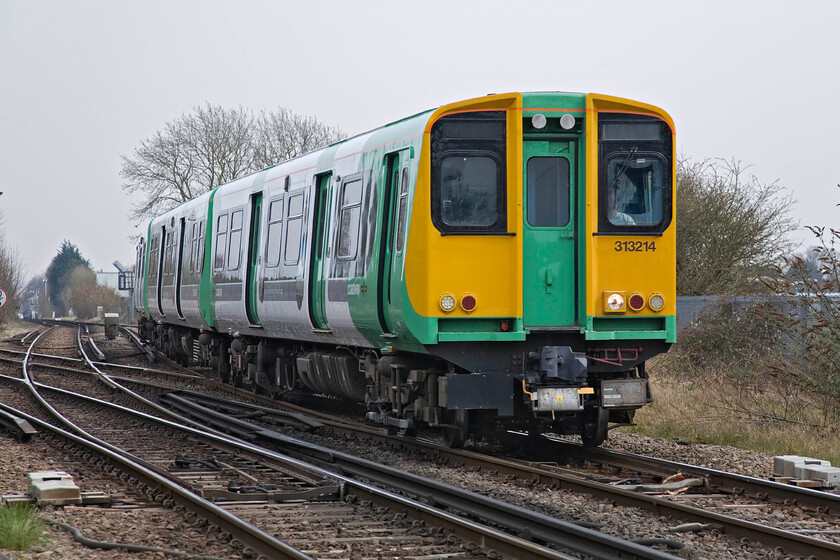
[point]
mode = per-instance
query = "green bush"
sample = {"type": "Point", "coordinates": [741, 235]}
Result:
{"type": "Point", "coordinates": [21, 527]}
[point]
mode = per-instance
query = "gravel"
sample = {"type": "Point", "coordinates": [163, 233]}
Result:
{"type": "Point", "coordinates": [158, 527]}
{"type": "Point", "coordinates": [730, 459]}
{"type": "Point", "coordinates": [154, 526]}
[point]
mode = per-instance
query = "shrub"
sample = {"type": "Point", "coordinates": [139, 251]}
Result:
{"type": "Point", "coordinates": [814, 329]}
{"type": "Point", "coordinates": [747, 366]}
{"type": "Point", "coordinates": [21, 527]}
{"type": "Point", "coordinates": [86, 299]}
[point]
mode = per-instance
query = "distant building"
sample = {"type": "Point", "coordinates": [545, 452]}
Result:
{"type": "Point", "coordinates": [122, 282]}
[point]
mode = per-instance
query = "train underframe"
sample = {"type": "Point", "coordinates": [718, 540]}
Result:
{"type": "Point", "coordinates": [549, 384]}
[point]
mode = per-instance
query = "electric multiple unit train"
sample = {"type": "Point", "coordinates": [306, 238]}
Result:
{"type": "Point", "coordinates": [505, 262]}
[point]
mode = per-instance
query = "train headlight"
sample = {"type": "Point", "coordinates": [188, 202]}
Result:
{"type": "Point", "coordinates": [538, 121]}
{"type": "Point", "coordinates": [447, 302]}
{"type": "Point", "coordinates": [657, 302]}
{"type": "Point", "coordinates": [468, 302]}
{"type": "Point", "coordinates": [567, 122]}
{"type": "Point", "coordinates": [636, 301]}
{"type": "Point", "coordinates": [614, 302]}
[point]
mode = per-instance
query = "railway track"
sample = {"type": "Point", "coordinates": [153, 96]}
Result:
{"type": "Point", "coordinates": [717, 485]}
{"type": "Point", "coordinates": [728, 489]}
{"type": "Point", "coordinates": [90, 427]}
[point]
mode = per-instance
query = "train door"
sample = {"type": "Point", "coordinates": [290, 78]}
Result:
{"type": "Point", "coordinates": [253, 268]}
{"type": "Point", "coordinates": [320, 242]}
{"type": "Point", "coordinates": [140, 283]}
{"type": "Point", "coordinates": [179, 261]}
{"type": "Point", "coordinates": [159, 266]}
{"type": "Point", "coordinates": [549, 288]}
{"type": "Point", "coordinates": [389, 282]}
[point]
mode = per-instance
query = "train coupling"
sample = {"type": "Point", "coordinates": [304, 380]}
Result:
{"type": "Point", "coordinates": [552, 364]}
{"type": "Point", "coordinates": [387, 420]}
{"type": "Point", "coordinates": [556, 381]}
{"type": "Point", "coordinates": [555, 375]}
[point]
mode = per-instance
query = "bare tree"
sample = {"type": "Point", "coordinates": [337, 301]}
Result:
{"type": "Point", "coordinates": [211, 146]}
{"type": "Point", "coordinates": [190, 156]}
{"type": "Point", "coordinates": [731, 228]}
{"type": "Point", "coordinates": [282, 135]}
{"type": "Point", "coordinates": [220, 142]}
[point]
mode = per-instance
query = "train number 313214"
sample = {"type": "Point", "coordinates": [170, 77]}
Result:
{"type": "Point", "coordinates": [635, 246]}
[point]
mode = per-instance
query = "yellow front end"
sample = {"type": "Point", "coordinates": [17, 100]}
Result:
{"type": "Point", "coordinates": [452, 280]}
{"type": "Point", "coordinates": [631, 278]}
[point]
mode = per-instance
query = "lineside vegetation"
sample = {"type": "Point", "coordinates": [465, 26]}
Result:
{"type": "Point", "coordinates": [765, 378]}
{"type": "Point", "coordinates": [21, 527]}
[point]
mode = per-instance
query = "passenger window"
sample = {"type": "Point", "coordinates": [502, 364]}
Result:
{"type": "Point", "coordinates": [548, 191]}
{"type": "Point", "coordinates": [275, 230]}
{"type": "Point", "coordinates": [402, 210]}
{"type": "Point", "coordinates": [199, 265]}
{"type": "Point", "coordinates": [168, 257]}
{"type": "Point", "coordinates": [235, 241]}
{"type": "Point", "coordinates": [221, 238]}
{"type": "Point", "coordinates": [294, 222]}
{"type": "Point", "coordinates": [351, 211]}
{"type": "Point", "coordinates": [197, 247]}
{"type": "Point", "coordinates": [154, 255]}
{"type": "Point", "coordinates": [192, 247]}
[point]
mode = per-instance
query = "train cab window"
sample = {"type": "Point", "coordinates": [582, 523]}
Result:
{"type": "Point", "coordinates": [351, 212]}
{"type": "Point", "coordinates": [634, 191]}
{"type": "Point", "coordinates": [403, 209]}
{"type": "Point", "coordinates": [235, 240]}
{"type": "Point", "coordinates": [275, 230]}
{"type": "Point", "coordinates": [469, 191]}
{"type": "Point", "coordinates": [636, 155]}
{"type": "Point", "coordinates": [548, 191]}
{"type": "Point", "coordinates": [469, 188]}
{"type": "Point", "coordinates": [294, 229]}
{"type": "Point", "coordinates": [221, 238]}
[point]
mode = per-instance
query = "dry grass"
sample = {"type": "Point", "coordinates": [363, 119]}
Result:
{"type": "Point", "coordinates": [722, 408]}
{"type": "Point", "coordinates": [732, 380]}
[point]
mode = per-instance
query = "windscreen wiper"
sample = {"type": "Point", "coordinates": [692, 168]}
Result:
{"type": "Point", "coordinates": [624, 167]}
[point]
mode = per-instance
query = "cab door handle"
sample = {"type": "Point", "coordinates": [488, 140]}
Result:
{"type": "Point", "coordinates": [549, 280]}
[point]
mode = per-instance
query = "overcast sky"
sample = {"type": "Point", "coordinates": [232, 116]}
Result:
{"type": "Point", "coordinates": [83, 82]}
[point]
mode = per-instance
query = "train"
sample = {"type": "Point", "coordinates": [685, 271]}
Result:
{"type": "Point", "coordinates": [500, 263]}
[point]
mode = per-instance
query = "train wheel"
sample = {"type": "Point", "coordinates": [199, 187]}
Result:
{"type": "Point", "coordinates": [593, 426]}
{"type": "Point", "coordinates": [455, 434]}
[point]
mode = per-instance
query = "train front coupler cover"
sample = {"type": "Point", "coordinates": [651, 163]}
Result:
{"type": "Point", "coordinates": [556, 380]}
